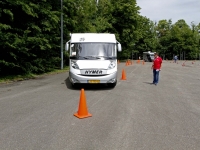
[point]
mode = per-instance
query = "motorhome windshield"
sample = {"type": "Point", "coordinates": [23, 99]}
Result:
{"type": "Point", "coordinates": [93, 50]}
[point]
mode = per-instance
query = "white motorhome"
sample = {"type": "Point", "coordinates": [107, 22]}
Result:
{"type": "Point", "coordinates": [93, 58]}
{"type": "Point", "coordinates": [148, 56]}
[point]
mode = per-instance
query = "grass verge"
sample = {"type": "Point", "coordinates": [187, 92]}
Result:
{"type": "Point", "coordinates": [14, 78]}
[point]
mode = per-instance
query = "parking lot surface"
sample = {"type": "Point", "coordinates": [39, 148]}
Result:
{"type": "Point", "coordinates": [37, 114]}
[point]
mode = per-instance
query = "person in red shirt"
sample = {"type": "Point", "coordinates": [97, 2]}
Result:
{"type": "Point", "coordinates": [156, 68]}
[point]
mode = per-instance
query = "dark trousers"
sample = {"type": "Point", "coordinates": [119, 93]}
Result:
{"type": "Point", "coordinates": [155, 76]}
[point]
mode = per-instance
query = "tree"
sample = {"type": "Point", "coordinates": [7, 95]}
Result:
{"type": "Point", "coordinates": [103, 17]}
{"type": "Point", "coordinates": [29, 37]}
{"type": "Point", "coordinates": [163, 32]}
{"type": "Point", "coordinates": [146, 39]}
{"type": "Point", "coordinates": [182, 39]}
{"type": "Point", "coordinates": [124, 23]}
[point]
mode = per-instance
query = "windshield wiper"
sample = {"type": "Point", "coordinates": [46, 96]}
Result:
{"type": "Point", "coordinates": [81, 57]}
{"type": "Point", "coordinates": [109, 57]}
{"type": "Point", "coordinates": [87, 57]}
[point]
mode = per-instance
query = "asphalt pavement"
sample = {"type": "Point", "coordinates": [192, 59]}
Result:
{"type": "Point", "coordinates": [37, 114]}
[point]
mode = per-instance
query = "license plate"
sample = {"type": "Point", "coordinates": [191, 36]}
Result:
{"type": "Point", "coordinates": [93, 81]}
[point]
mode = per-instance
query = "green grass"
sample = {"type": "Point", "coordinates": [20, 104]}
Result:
{"type": "Point", "coordinates": [14, 78]}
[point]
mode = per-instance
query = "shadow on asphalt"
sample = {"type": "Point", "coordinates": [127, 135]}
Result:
{"type": "Point", "coordinates": [92, 87]}
{"type": "Point", "coordinates": [148, 83]}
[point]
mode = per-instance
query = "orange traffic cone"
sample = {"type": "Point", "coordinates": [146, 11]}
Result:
{"type": "Point", "coordinates": [123, 75]}
{"type": "Point", "coordinates": [82, 110]}
{"type": "Point", "coordinates": [129, 62]}
{"type": "Point", "coordinates": [126, 63]}
{"type": "Point", "coordinates": [143, 62]}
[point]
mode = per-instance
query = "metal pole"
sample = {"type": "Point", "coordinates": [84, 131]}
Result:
{"type": "Point", "coordinates": [61, 34]}
{"type": "Point", "coordinates": [184, 56]}
{"type": "Point", "coordinates": [132, 54]}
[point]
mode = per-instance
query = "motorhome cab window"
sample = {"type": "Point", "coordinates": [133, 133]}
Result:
{"type": "Point", "coordinates": [94, 50]}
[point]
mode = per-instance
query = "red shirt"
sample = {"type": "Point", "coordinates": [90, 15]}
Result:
{"type": "Point", "coordinates": [157, 62]}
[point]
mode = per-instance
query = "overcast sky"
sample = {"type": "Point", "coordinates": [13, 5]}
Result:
{"type": "Point", "coordinates": [156, 10]}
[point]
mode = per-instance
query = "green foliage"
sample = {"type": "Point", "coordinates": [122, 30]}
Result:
{"type": "Point", "coordinates": [103, 17]}
{"type": "Point", "coordinates": [124, 23]}
{"type": "Point", "coordinates": [29, 37]}
{"type": "Point", "coordinates": [177, 39]}
{"type": "Point", "coordinates": [30, 32]}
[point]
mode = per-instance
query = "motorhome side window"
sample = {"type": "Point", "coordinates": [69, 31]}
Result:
{"type": "Point", "coordinates": [73, 50]}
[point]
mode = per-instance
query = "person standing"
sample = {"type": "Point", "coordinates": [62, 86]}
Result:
{"type": "Point", "coordinates": [175, 58]}
{"type": "Point", "coordinates": [156, 66]}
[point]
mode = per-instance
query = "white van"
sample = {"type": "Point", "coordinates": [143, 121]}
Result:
{"type": "Point", "coordinates": [93, 58]}
{"type": "Point", "coordinates": [148, 56]}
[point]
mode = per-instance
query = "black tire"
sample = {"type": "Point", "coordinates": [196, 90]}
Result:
{"type": "Point", "coordinates": [74, 86]}
{"type": "Point", "coordinates": [112, 85]}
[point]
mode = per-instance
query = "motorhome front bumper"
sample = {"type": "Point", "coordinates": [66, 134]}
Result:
{"type": "Point", "coordinates": [110, 78]}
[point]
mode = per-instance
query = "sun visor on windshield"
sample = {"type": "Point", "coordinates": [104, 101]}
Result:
{"type": "Point", "coordinates": [85, 38]}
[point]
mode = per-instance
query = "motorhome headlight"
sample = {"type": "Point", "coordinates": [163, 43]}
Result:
{"type": "Point", "coordinates": [112, 65]}
{"type": "Point", "coordinates": [74, 65]}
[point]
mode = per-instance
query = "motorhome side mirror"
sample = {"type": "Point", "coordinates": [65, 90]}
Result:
{"type": "Point", "coordinates": [119, 47]}
{"type": "Point", "coordinates": [67, 46]}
